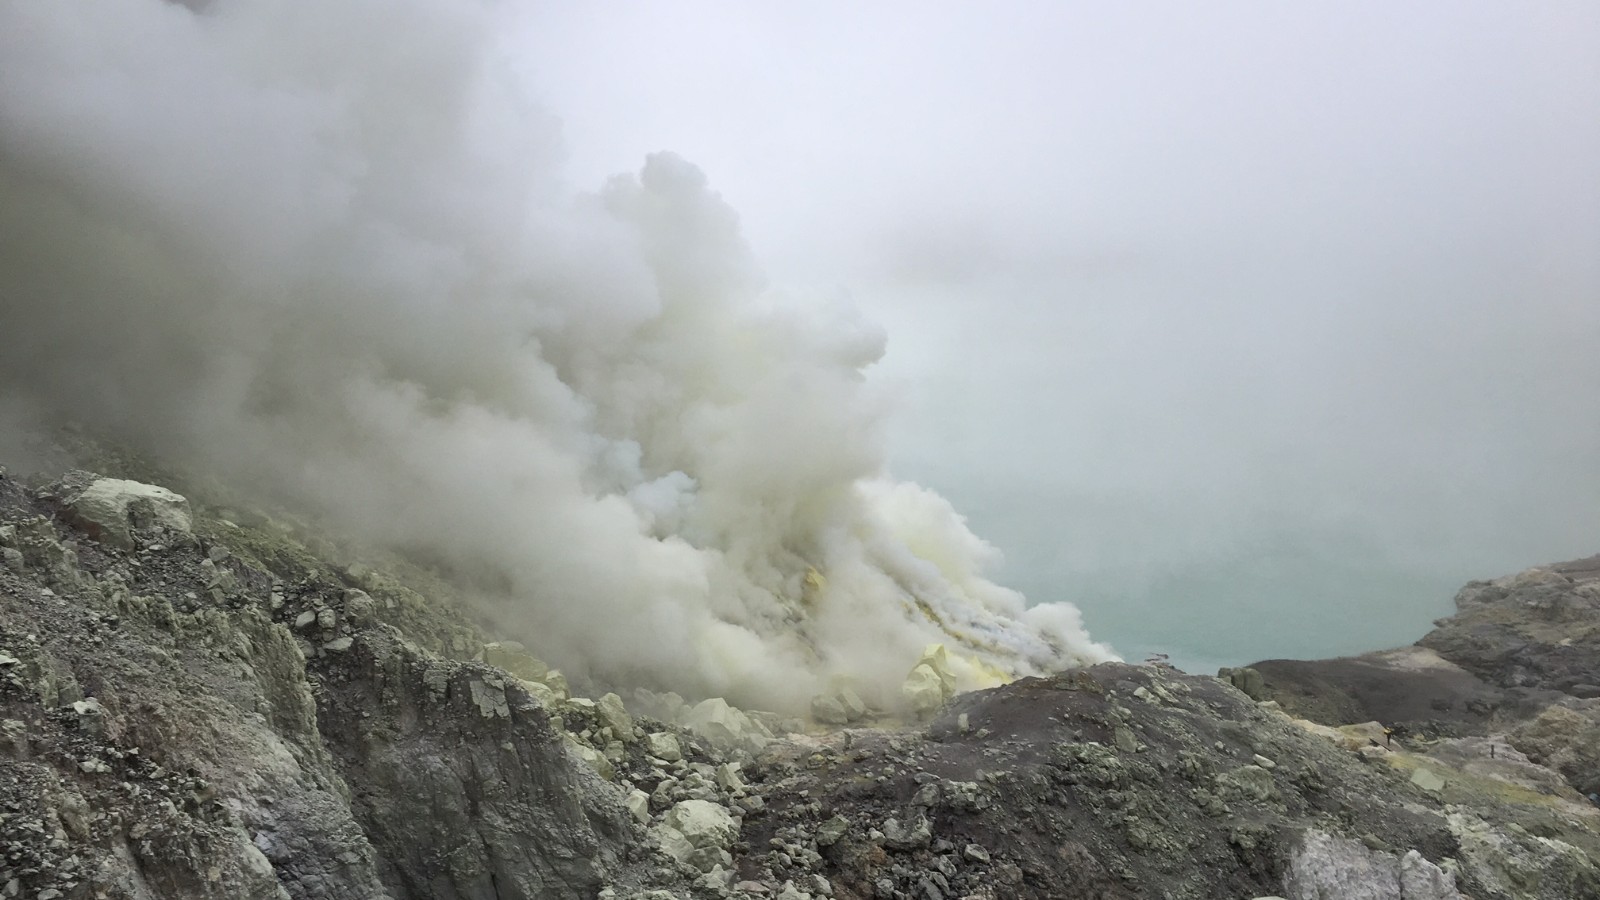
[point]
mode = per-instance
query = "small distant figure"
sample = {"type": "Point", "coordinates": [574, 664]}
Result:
{"type": "Point", "coordinates": [1594, 798]}
{"type": "Point", "coordinates": [1388, 738]}
{"type": "Point", "coordinates": [1491, 751]}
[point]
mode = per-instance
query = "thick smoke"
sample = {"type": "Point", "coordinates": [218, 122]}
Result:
{"type": "Point", "coordinates": [323, 250]}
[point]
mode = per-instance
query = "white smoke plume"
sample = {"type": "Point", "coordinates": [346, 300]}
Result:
{"type": "Point", "coordinates": [323, 248]}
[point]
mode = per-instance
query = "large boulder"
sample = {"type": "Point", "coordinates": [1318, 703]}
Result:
{"type": "Point", "coordinates": [826, 710]}
{"type": "Point", "coordinates": [110, 510]}
{"type": "Point", "coordinates": [1246, 679]}
{"type": "Point", "coordinates": [839, 706]}
{"type": "Point", "coordinates": [698, 833]}
{"type": "Point", "coordinates": [726, 726]}
{"type": "Point", "coordinates": [1324, 866]}
{"type": "Point", "coordinates": [612, 714]}
{"type": "Point", "coordinates": [663, 745]}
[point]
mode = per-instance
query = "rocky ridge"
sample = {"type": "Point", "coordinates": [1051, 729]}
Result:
{"type": "Point", "coordinates": [200, 702]}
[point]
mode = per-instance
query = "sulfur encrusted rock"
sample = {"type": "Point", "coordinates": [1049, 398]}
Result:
{"type": "Point", "coordinates": [923, 690]}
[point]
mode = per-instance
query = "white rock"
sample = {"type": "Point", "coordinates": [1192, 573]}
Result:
{"type": "Point", "coordinates": [103, 509]}
{"type": "Point", "coordinates": [639, 805]}
{"type": "Point", "coordinates": [1423, 880]}
{"type": "Point", "coordinates": [697, 832]}
{"type": "Point", "coordinates": [614, 715]}
{"type": "Point", "coordinates": [728, 778]}
{"type": "Point", "coordinates": [1324, 865]}
{"type": "Point", "coordinates": [663, 745]}
{"type": "Point", "coordinates": [725, 726]}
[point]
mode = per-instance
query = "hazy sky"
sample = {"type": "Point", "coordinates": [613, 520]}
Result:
{"type": "Point", "coordinates": [1251, 328]}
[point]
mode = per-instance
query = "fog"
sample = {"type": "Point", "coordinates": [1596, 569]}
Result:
{"type": "Point", "coordinates": [1254, 330]}
{"type": "Point", "coordinates": [326, 253]}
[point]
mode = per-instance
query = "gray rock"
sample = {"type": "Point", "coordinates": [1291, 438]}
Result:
{"type": "Point", "coordinates": [828, 711]}
{"type": "Point", "coordinates": [912, 835]}
{"type": "Point", "coordinates": [1249, 783]}
{"type": "Point", "coordinates": [831, 831]}
{"type": "Point", "coordinates": [489, 698]}
{"type": "Point", "coordinates": [1428, 780]}
{"type": "Point", "coordinates": [91, 716]}
{"type": "Point", "coordinates": [1122, 738]}
{"type": "Point", "coordinates": [1246, 679]}
{"type": "Point", "coordinates": [359, 608]}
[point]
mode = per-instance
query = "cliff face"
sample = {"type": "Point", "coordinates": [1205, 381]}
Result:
{"type": "Point", "coordinates": [186, 720]}
{"type": "Point", "coordinates": [193, 703]}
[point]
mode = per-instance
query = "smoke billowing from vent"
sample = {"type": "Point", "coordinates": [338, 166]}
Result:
{"type": "Point", "coordinates": [321, 248]}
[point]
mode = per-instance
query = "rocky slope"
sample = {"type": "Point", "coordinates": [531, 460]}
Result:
{"type": "Point", "coordinates": [1519, 662]}
{"type": "Point", "coordinates": [201, 702]}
